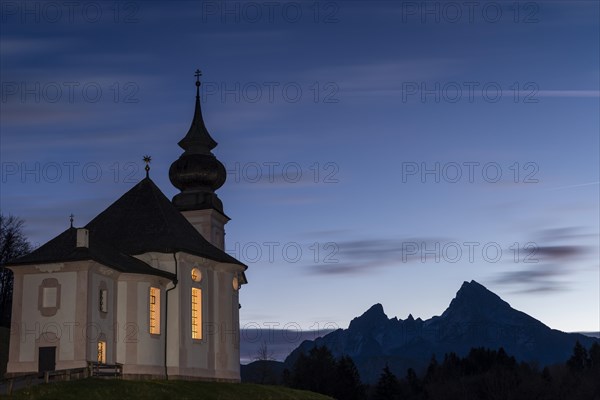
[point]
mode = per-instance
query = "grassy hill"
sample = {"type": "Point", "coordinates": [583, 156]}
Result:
{"type": "Point", "coordinates": [102, 389]}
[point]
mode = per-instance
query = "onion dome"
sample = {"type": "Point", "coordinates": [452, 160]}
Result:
{"type": "Point", "coordinates": [197, 172]}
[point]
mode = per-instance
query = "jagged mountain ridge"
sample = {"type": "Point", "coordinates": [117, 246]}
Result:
{"type": "Point", "coordinates": [476, 317]}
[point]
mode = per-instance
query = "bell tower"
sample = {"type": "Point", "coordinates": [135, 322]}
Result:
{"type": "Point", "coordinates": [197, 174]}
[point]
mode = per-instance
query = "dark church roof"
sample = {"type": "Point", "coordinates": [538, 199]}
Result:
{"type": "Point", "coordinates": [142, 220]}
{"type": "Point", "coordinates": [63, 249]}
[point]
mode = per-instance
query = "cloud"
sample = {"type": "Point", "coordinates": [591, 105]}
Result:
{"type": "Point", "coordinates": [563, 233]}
{"type": "Point", "coordinates": [16, 46]}
{"type": "Point", "coordinates": [547, 267]}
{"type": "Point", "coordinates": [539, 279]}
{"type": "Point", "coordinates": [387, 77]}
{"type": "Point", "coordinates": [543, 288]}
{"type": "Point", "coordinates": [363, 256]}
{"type": "Point", "coordinates": [530, 275]}
{"type": "Point", "coordinates": [560, 252]}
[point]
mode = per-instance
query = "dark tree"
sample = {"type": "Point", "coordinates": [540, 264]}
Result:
{"type": "Point", "coordinates": [414, 384]}
{"type": "Point", "coordinates": [263, 359]}
{"type": "Point", "coordinates": [387, 387]}
{"type": "Point", "coordinates": [315, 371]}
{"type": "Point", "coordinates": [287, 377]}
{"type": "Point", "coordinates": [13, 244]}
{"type": "Point", "coordinates": [347, 381]}
{"type": "Point", "coordinates": [432, 369]}
{"type": "Point", "coordinates": [579, 359]}
{"type": "Point", "coordinates": [595, 356]}
{"type": "Point", "coordinates": [451, 365]}
{"type": "Point", "coordinates": [320, 372]}
{"type": "Point", "coordinates": [546, 376]}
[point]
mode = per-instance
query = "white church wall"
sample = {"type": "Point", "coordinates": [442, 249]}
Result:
{"type": "Point", "coordinates": [150, 346]}
{"type": "Point", "coordinates": [233, 360]}
{"type": "Point", "coordinates": [124, 330]}
{"type": "Point", "coordinates": [61, 324]}
{"type": "Point", "coordinates": [216, 354]}
{"type": "Point", "coordinates": [194, 352]}
{"type": "Point", "coordinates": [102, 325]}
{"type": "Point", "coordinates": [174, 320]}
{"type": "Point", "coordinates": [227, 363]}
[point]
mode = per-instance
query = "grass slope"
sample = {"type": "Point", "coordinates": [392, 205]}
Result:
{"type": "Point", "coordinates": [103, 389]}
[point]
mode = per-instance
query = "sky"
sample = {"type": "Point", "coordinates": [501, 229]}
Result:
{"type": "Point", "coordinates": [377, 151]}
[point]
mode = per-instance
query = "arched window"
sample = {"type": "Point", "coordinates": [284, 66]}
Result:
{"type": "Point", "coordinates": [196, 313]}
{"type": "Point", "coordinates": [154, 306]}
{"type": "Point", "coordinates": [102, 352]}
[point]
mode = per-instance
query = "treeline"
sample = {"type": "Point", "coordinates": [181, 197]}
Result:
{"type": "Point", "coordinates": [482, 374]}
{"type": "Point", "coordinates": [320, 372]}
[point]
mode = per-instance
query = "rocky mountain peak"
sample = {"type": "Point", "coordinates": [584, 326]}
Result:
{"type": "Point", "coordinates": [473, 297]}
{"type": "Point", "coordinates": [374, 317]}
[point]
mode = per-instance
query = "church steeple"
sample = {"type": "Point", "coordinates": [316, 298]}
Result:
{"type": "Point", "coordinates": [197, 172]}
{"type": "Point", "coordinates": [198, 137]}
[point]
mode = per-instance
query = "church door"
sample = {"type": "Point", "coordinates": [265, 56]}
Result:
{"type": "Point", "coordinates": [47, 359]}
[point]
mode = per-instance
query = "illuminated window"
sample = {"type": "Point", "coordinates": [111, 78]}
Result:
{"type": "Point", "coordinates": [196, 313]}
{"type": "Point", "coordinates": [196, 275]}
{"type": "Point", "coordinates": [102, 352]}
{"type": "Point", "coordinates": [103, 299]}
{"type": "Point", "coordinates": [154, 310]}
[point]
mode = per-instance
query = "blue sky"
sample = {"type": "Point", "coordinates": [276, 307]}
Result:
{"type": "Point", "coordinates": [377, 152]}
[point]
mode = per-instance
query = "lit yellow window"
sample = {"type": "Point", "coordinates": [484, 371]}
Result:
{"type": "Point", "coordinates": [154, 310]}
{"type": "Point", "coordinates": [102, 352]}
{"type": "Point", "coordinates": [196, 313]}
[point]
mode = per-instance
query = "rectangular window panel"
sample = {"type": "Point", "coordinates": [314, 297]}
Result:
{"type": "Point", "coordinates": [103, 300]}
{"type": "Point", "coordinates": [154, 310]}
{"type": "Point", "coordinates": [196, 313]}
{"type": "Point", "coordinates": [102, 352]}
{"type": "Point", "coordinates": [49, 299]}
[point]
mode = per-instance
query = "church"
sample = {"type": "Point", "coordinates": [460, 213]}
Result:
{"type": "Point", "coordinates": [145, 284]}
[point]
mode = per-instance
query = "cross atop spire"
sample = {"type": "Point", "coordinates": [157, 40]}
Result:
{"type": "Point", "coordinates": [71, 218]}
{"type": "Point", "coordinates": [147, 160]}
{"type": "Point", "coordinates": [198, 74]}
{"type": "Point", "coordinates": [198, 139]}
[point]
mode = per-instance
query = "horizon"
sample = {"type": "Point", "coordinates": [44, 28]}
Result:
{"type": "Point", "coordinates": [375, 152]}
{"type": "Point", "coordinates": [280, 343]}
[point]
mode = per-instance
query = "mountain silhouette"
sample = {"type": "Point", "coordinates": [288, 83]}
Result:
{"type": "Point", "coordinates": [476, 317]}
